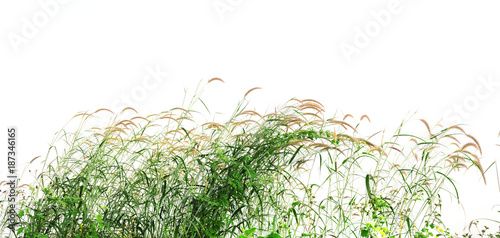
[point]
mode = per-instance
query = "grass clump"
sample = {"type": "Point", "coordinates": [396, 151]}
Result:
{"type": "Point", "coordinates": [290, 173]}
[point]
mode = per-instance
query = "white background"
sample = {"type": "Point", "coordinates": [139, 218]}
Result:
{"type": "Point", "coordinates": [382, 58]}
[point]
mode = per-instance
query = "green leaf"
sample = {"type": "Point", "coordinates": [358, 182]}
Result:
{"type": "Point", "coordinates": [273, 235]}
{"type": "Point", "coordinates": [250, 231]}
{"type": "Point", "coordinates": [20, 230]}
{"type": "Point", "coordinates": [365, 233]}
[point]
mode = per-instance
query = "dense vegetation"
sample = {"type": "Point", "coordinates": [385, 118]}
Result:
{"type": "Point", "coordinates": [290, 173]}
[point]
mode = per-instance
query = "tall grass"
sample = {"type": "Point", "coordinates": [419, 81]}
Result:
{"type": "Point", "coordinates": [290, 173]}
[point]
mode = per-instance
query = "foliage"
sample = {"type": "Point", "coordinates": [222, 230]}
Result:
{"type": "Point", "coordinates": [290, 173]}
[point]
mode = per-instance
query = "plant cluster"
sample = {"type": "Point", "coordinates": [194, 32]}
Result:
{"type": "Point", "coordinates": [290, 173]}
